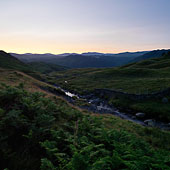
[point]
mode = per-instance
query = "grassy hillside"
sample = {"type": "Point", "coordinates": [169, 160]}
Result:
{"type": "Point", "coordinates": [14, 77]}
{"type": "Point", "coordinates": [144, 77]}
{"type": "Point", "coordinates": [46, 67]}
{"type": "Point", "coordinates": [152, 54]}
{"type": "Point", "coordinates": [39, 130]}
{"type": "Point", "coordinates": [43, 133]}
{"type": "Point", "coordinates": [10, 62]}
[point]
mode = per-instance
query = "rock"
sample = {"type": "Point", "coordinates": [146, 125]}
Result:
{"type": "Point", "coordinates": [150, 122]}
{"type": "Point", "coordinates": [95, 101]}
{"type": "Point", "coordinates": [88, 96]}
{"type": "Point", "coordinates": [140, 115]}
{"type": "Point", "coordinates": [165, 100]}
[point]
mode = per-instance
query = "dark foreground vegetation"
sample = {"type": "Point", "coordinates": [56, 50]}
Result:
{"type": "Point", "coordinates": [37, 132]}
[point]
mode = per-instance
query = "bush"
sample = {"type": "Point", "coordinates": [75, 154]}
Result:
{"type": "Point", "coordinates": [40, 133]}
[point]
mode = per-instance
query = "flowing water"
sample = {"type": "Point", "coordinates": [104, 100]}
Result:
{"type": "Point", "coordinates": [99, 106]}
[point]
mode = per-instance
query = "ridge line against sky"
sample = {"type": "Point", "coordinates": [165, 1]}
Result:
{"type": "Point", "coordinates": [77, 26]}
{"type": "Point", "coordinates": [79, 53]}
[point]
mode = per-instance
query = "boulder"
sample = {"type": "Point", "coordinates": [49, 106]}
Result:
{"type": "Point", "coordinates": [95, 101]}
{"type": "Point", "coordinates": [150, 122]}
{"type": "Point", "coordinates": [140, 115]}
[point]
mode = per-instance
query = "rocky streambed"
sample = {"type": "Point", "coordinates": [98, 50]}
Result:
{"type": "Point", "coordinates": [98, 105]}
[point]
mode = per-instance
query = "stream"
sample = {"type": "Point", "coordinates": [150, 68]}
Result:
{"type": "Point", "coordinates": [100, 106]}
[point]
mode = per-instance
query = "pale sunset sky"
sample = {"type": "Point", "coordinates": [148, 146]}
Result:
{"type": "Point", "coordinates": [59, 26]}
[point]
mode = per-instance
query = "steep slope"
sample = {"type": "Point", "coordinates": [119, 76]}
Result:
{"type": "Point", "coordinates": [10, 62]}
{"type": "Point", "coordinates": [15, 77]}
{"type": "Point", "coordinates": [153, 63]}
{"type": "Point", "coordinates": [152, 54]}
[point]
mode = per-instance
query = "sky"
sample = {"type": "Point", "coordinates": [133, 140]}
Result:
{"type": "Point", "coordinates": [61, 26]}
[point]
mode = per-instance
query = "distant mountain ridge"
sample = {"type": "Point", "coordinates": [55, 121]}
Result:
{"type": "Point", "coordinates": [84, 60]}
{"type": "Point", "coordinates": [90, 59]}
{"type": "Point", "coordinates": [29, 57]}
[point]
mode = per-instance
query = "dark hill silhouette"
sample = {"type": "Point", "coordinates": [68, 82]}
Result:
{"type": "Point", "coordinates": [84, 60]}
{"type": "Point", "coordinates": [10, 62]}
{"type": "Point", "coordinates": [152, 54]}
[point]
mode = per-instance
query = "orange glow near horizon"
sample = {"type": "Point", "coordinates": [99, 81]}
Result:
{"type": "Point", "coordinates": [32, 46]}
{"type": "Point", "coordinates": [75, 44]}
{"type": "Point", "coordinates": [69, 50]}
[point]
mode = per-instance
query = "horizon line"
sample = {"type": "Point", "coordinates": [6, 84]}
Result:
{"type": "Point", "coordinates": [88, 52]}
